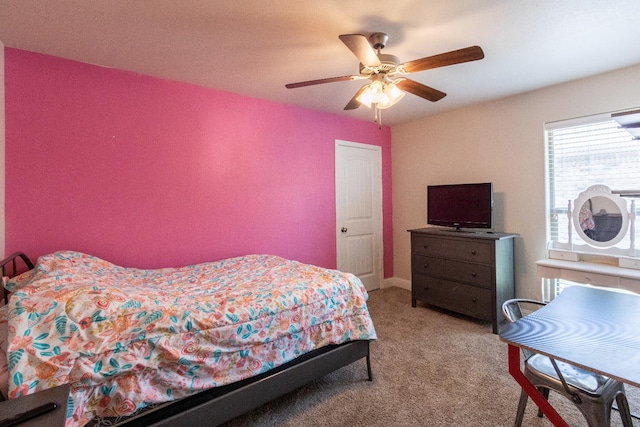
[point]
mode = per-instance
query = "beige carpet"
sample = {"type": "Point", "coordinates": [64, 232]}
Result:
{"type": "Point", "coordinates": [430, 367]}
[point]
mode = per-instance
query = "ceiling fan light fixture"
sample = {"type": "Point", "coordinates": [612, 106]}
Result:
{"type": "Point", "coordinates": [372, 94]}
{"type": "Point", "coordinates": [393, 94]}
{"type": "Point", "coordinates": [383, 95]}
{"type": "Point", "coordinates": [366, 97]}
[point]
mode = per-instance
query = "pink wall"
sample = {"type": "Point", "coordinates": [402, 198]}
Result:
{"type": "Point", "coordinates": [148, 172]}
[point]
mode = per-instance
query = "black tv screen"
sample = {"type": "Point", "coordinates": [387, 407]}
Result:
{"type": "Point", "coordinates": [460, 205]}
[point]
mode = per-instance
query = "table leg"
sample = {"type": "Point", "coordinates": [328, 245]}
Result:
{"type": "Point", "coordinates": [531, 390]}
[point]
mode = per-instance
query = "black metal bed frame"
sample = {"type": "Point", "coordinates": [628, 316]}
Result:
{"type": "Point", "coordinates": [10, 268]}
{"type": "Point", "coordinates": [221, 404]}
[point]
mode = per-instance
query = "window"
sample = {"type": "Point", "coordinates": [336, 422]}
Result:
{"type": "Point", "coordinates": [584, 152]}
{"type": "Point", "coordinates": [579, 156]}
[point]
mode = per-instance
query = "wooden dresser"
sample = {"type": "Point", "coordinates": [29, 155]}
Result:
{"type": "Point", "coordinates": [470, 273]}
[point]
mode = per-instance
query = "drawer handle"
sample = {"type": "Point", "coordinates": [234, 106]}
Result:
{"type": "Point", "coordinates": [473, 251]}
{"type": "Point", "coordinates": [426, 265]}
{"type": "Point", "coordinates": [473, 274]}
{"type": "Point", "coordinates": [425, 246]}
{"type": "Point", "coordinates": [474, 299]}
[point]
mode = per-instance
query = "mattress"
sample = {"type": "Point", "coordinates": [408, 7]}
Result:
{"type": "Point", "coordinates": [126, 338]}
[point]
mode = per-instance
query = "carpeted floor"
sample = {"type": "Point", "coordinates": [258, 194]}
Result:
{"type": "Point", "coordinates": [431, 368]}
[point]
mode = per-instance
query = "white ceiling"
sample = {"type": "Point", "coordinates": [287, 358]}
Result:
{"type": "Point", "coordinates": [255, 47]}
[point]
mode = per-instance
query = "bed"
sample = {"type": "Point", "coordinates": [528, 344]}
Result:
{"type": "Point", "coordinates": [213, 340]}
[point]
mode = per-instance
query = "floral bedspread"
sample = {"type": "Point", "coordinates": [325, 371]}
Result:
{"type": "Point", "coordinates": [125, 338]}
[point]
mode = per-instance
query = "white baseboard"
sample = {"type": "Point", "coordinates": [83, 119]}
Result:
{"type": "Point", "coordinates": [397, 282]}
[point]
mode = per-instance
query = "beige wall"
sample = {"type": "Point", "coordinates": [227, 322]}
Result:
{"type": "Point", "coordinates": [503, 142]}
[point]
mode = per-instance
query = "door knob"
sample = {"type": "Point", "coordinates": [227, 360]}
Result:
{"type": "Point", "coordinates": [343, 229]}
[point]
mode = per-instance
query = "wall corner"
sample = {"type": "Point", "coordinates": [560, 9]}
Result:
{"type": "Point", "coordinates": [2, 151]}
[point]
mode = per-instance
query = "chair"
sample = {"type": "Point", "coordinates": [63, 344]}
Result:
{"type": "Point", "coordinates": [593, 394]}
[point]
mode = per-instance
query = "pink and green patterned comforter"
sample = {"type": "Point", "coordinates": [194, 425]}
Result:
{"type": "Point", "coordinates": [125, 338]}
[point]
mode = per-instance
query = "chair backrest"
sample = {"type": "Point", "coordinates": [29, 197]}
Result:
{"type": "Point", "coordinates": [513, 310]}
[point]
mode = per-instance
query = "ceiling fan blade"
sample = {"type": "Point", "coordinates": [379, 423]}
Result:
{"type": "Point", "coordinates": [354, 103]}
{"type": "Point", "coordinates": [472, 53]}
{"type": "Point", "coordinates": [321, 81]}
{"type": "Point", "coordinates": [421, 90]}
{"type": "Point", "coordinates": [359, 45]}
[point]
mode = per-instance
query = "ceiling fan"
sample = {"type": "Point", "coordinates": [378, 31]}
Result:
{"type": "Point", "coordinates": [387, 75]}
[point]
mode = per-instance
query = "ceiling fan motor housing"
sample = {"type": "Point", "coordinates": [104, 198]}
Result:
{"type": "Point", "coordinates": [388, 63]}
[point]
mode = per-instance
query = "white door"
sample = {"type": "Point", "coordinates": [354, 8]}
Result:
{"type": "Point", "coordinates": [359, 211]}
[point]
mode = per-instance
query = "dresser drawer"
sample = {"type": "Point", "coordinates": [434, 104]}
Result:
{"type": "Point", "coordinates": [457, 271]}
{"type": "Point", "coordinates": [465, 299]}
{"type": "Point", "coordinates": [590, 278]}
{"type": "Point", "coordinates": [465, 250]}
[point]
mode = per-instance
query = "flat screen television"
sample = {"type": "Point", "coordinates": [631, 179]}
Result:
{"type": "Point", "coordinates": [460, 205]}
